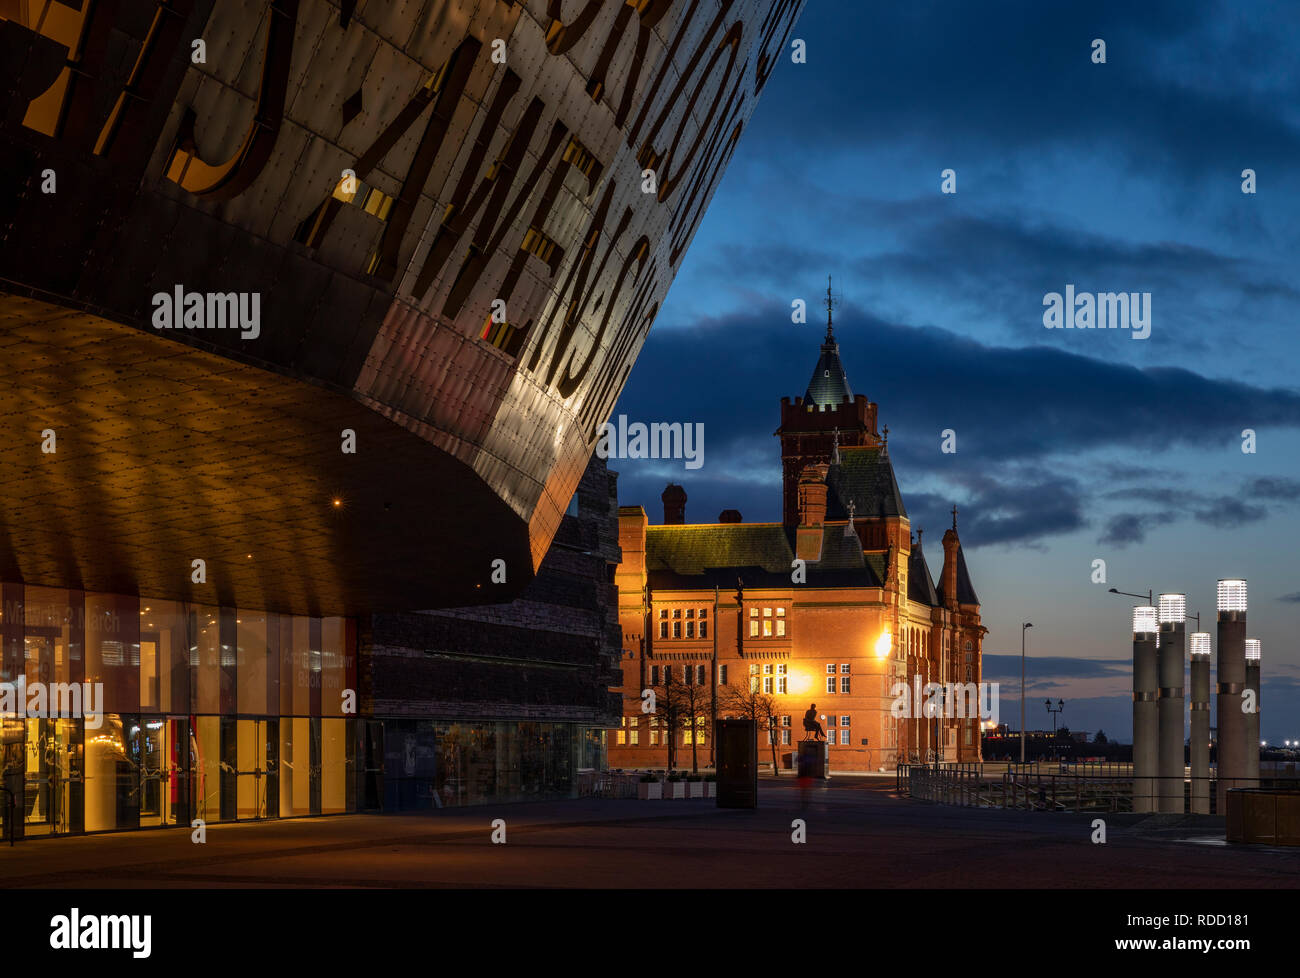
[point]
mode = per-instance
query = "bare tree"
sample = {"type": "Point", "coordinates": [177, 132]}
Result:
{"type": "Point", "coordinates": [670, 706]}
{"type": "Point", "coordinates": [694, 700]}
{"type": "Point", "coordinates": [746, 701]}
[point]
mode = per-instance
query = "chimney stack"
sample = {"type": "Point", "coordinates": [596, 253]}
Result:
{"type": "Point", "coordinates": [674, 498]}
{"type": "Point", "coordinates": [812, 512]}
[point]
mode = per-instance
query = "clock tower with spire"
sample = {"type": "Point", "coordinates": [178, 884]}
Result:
{"type": "Point", "coordinates": [827, 418]}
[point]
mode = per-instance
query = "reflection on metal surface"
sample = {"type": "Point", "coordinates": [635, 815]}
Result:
{"type": "Point", "coordinates": [485, 174]}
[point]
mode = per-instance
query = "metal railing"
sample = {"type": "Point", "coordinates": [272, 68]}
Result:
{"type": "Point", "coordinates": [608, 784]}
{"type": "Point", "coordinates": [1019, 788]}
{"type": "Point", "coordinates": [1060, 787]}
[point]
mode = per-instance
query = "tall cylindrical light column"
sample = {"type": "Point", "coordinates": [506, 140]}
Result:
{"type": "Point", "coordinates": [1199, 741]}
{"type": "Point", "coordinates": [1252, 718]}
{"type": "Point", "coordinates": [1171, 654]}
{"type": "Point", "coordinates": [1145, 731]}
{"type": "Point", "coordinates": [1230, 681]}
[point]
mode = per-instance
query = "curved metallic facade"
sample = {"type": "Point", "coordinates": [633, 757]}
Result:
{"type": "Point", "coordinates": [460, 219]}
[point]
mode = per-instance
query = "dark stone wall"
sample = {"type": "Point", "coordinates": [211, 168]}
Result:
{"type": "Point", "coordinates": [552, 654]}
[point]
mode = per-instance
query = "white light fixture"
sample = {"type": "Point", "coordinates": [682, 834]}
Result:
{"type": "Point", "coordinates": [1232, 595]}
{"type": "Point", "coordinates": [1173, 609]}
{"type": "Point", "coordinates": [1144, 620]}
{"type": "Point", "coordinates": [1252, 650]}
{"type": "Point", "coordinates": [1200, 643]}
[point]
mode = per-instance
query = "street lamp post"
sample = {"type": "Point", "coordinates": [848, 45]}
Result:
{"type": "Point", "coordinates": [1198, 744]}
{"type": "Point", "coordinates": [1231, 680]}
{"type": "Point", "coordinates": [1054, 710]}
{"type": "Point", "coordinates": [1171, 672]}
{"type": "Point", "coordinates": [1149, 594]}
{"type": "Point", "coordinates": [1146, 687]}
{"type": "Point", "coordinates": [1024, 627]}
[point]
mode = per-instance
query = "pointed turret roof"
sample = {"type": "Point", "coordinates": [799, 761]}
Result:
{"type": "Point", "coordinates": [829, 384]}
{"type": "Point", "coordinates": [920, 585]}
{"type": "Point", "coordinates": [965, 591]}
{"type": "Point", "coordinates": [952, 547]}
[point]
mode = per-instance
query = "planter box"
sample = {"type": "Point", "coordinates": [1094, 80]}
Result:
{"type": "Point", "coordinates": [695, 789]}
{"type": "Point", "coordinates": [649, 790]}
{"type": "Point", "coordinates": [710, 789]}
{"type": "Point", "coordinates": [674, 789]}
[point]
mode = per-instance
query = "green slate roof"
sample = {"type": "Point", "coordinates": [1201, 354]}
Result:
{"type": "Point", "coordinates": [760, 554]}
{"type": "Point", "coordinates": [865, 477]}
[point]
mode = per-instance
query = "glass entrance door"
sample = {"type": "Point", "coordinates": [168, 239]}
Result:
{"type": "Point", "coordinates": [258, 780]}
{"type": "Point", "coordinates": [372, 766]}
{"type": "Point", "coordinates": [164, 775]}
{"type": "Point", "coordinates": [53, 786]}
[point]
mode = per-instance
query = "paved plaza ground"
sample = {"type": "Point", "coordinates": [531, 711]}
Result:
{"type": "Point", "coordinates": [859, 834]}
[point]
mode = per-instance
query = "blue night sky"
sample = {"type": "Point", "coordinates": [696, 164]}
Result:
{"type": "Point", "coordinates": [1072, 445]}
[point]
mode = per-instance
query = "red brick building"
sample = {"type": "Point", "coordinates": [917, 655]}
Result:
{"type": "Point", "coordinates": [833, 606]}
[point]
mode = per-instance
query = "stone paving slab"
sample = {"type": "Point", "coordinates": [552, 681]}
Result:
{"type": "Point", "coordinates": [859, 834]}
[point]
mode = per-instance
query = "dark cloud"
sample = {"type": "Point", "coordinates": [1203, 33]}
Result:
{"type": "Point", "coordinates": [1221, 511]}
{"type": "Point", "coordinates": [1013, 411]}
{"type": "Point", "coordinates": [1228, 511]}
{"type": "Point", "coordinates": [1128, 528]}
{"type": "Point", "coordinates": [1273, 488]}
{"type": "Point", "coordinates": [1292, 598]}
{"type": "Point", "coordinates": [1003, 265]}
{"type": "Point", "coordinates": [1003, 668]}
{"type": "Point", "coordinates": [1004, 511]}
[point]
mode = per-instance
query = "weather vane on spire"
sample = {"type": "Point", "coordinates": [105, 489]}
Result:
{"type": "Point", "coordinates": [830, 304]}
{"type": "Point", "coordinates": [954, 517]}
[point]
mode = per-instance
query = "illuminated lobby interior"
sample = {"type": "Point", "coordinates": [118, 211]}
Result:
{"type": "Point", "coordinates": [222, 714]}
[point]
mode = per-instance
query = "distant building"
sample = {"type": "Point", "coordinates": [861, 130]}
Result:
{"type": "Point", "coordinates": [834, 605]}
